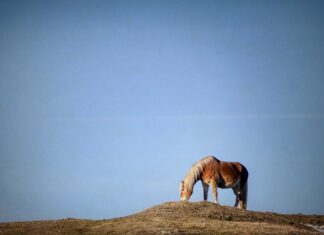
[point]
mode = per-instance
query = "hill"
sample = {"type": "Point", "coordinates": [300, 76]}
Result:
{"type": "Point", "coordinates": [178, 218]}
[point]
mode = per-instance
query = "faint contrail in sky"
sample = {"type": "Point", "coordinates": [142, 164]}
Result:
{"type": "Point", "coordinates": [195, 117]}
{"type": "Point", "coordinates": [232, 116]}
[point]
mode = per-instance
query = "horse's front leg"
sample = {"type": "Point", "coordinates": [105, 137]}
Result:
{"type": "Point", "coordinates": [205, 187]}
{"type": "Point", "coordinates": [214, 188]}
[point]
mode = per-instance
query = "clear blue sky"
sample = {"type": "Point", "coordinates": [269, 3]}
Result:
{"type": "Point", "coordinates": [105, 105]}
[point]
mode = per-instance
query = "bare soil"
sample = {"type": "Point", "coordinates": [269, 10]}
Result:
{"type": "Point", "coordinates": [177, 218]}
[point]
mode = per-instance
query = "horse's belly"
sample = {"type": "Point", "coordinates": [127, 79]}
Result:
{"type": "Point", "coordinates": [224, 186]}
{"type": "Point", "coordinates": [228, 183]}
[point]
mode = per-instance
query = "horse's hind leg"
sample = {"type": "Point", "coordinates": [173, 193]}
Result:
{"type": "Point", "coordinates": [205, 187]}
{"type": "Point", "coordinates": [239, 198]}
{"type": "Point", "coordinates": [236, 197]}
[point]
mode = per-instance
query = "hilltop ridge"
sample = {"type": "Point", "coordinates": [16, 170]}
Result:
{"type": "Point", "coordinates": [178, 218]}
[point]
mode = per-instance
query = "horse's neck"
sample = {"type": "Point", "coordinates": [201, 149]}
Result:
{"type": "Point", "coordinates": [192, 177]}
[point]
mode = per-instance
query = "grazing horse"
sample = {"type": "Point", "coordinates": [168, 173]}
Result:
{"type": "Point", "coordinates": [215, 173]}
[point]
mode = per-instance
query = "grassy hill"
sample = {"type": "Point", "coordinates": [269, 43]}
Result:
{"type": "Point", "coordinates": [177, 218]}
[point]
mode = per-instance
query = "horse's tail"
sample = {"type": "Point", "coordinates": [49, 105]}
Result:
{"type": "Point", "coordinates": [244, 187]}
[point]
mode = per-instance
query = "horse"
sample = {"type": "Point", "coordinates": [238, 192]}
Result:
{"type": "Point", "coordinates": [215, 173]}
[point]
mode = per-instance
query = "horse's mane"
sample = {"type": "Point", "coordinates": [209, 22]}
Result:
{"type": "Point", "coordinates": [196, 170]}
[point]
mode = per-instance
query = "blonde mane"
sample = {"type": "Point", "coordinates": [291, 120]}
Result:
{"type": "Point", "coordinates": [196, 171]}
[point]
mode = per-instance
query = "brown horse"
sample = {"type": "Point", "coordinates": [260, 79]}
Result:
{"type": "Point", "coordinates": [215, 173]}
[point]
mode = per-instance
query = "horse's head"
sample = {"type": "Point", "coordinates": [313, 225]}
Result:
{"type": "Point", "coordinates": [185, 193]}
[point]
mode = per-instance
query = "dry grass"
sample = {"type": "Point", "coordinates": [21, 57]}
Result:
{"type": "Point", "coordinates": [177, 218]}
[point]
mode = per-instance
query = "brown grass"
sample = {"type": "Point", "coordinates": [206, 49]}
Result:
{"type": "Point", "coordinates": [177, 218]}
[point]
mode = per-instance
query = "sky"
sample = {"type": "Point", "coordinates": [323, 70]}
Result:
{"type": "Point", "coordinates": [105, 105]}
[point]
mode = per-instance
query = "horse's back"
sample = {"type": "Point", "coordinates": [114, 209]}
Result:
{"type": "Point", "coordinates": [239, 167]}
{"type": "Point", "coordinates": [233, 166]}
